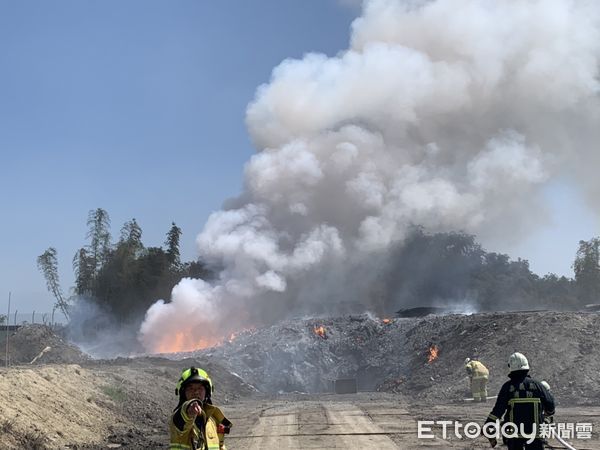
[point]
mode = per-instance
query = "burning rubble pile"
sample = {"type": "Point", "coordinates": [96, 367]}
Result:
{"type": "Point", "coordinates": [557, 344]}
{"type": "Point", "coordinates": [418, 357]}
{"type": "Point", "coordinates": [427, 118]}
{"type": "Point", "coordinates": [308, 355]}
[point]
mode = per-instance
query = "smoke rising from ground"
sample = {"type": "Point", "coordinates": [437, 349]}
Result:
{"type": "Point", "coordinates": [96, 332]}
{"type": "Point", "coordinates": [447, 114]}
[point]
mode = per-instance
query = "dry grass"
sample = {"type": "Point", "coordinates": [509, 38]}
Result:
{"type": "Point", "coordinates": [115, 393]}
{"type": "Point", "coordinates": [35, 440]}
{"type": "Point", "coordinates": [7, 426]}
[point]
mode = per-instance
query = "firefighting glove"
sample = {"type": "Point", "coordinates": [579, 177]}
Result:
{"type": "Point", "coordinates": [223, 429]}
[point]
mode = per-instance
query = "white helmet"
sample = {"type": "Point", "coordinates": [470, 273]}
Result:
{"type": "Point", "coordinates": [517, 361]}
{"type": "Point", "coordinates": [545, 384]}
{"type": "Point", "coordinates": [467, 361]}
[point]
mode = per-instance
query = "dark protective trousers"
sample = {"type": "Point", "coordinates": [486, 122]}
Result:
{"type": "Point", "coordinates": [521, 444]}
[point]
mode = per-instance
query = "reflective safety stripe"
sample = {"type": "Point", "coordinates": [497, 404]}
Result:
{"type": "Point", "coordinates": [179, 447]}
{"type": "Point", "coordinates": [212, 437]}
{"type": "Point", "coordinates": [535, 402]}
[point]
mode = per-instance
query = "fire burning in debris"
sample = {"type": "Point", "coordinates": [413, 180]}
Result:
{"type": "Point", "coordinates": [432, 353]}
{"type": "Point", "coordinates": [320, 331]}
{"type": "Point", "coordinates": [337, 182]}
{"type": "Point", "coordinates": [184, 342]}
{"type": "Point", "coordinates": [387, 321]}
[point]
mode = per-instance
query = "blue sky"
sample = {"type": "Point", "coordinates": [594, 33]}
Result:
{"type": "Point", "coordinates": [138, 107]}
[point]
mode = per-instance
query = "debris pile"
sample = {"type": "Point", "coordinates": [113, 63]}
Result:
{"type": "Point", "coordinates": [559, 346]}
{"type": "Point", "coordinates": [309, 355]}
{"type": "Point", "coordinates": [418, 357]}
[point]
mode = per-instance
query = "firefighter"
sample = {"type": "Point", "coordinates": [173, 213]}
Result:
{"type": "Point", "coordinates": [478, 377]}
{"type": "Point", "coordinates": [524, 402]}
{"type": "Point", "coordinates": [196, 424]}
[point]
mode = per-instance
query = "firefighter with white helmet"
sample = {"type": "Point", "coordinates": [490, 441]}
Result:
{"type": "Point", "coordinates": [522, 401]}
{"type": "Point", "coordinates": [478, 378]}
{"type": "Point", "coordinates": [196, 424]}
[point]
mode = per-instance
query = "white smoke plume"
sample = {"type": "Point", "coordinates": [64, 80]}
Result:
{"type": "Point", "coordinates": [450, 114]}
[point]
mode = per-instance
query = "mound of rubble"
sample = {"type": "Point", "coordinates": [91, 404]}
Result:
{"type": "Point", "coordinates": [38, 344]}
{"type": "Point", "coordinates": [308, 355]}
{"type": "Point", "coordinates": [561, 347]}
{"type": "Point", "coordinates": [396, 354]}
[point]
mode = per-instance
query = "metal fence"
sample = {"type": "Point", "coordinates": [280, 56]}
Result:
{"type": "Point", "coordinates": [17, 317]}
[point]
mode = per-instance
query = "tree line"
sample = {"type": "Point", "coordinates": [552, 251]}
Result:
{"type": "Point", "coordinates": [125, 277]}
{"type": "Point", "coordinates": [452, 267]}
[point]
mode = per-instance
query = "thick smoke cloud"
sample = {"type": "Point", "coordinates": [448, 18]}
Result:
{"type": "Point", "coordinates": [450, 114]}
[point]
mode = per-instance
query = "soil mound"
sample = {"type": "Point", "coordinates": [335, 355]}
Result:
{"type": "Point", "coordinates": [121, 403]}
{"type": "Point", "coordinates": [39, 344]}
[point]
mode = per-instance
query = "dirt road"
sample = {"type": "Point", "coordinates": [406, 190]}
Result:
{"type": "Point", "coordinates": [365, 421]}
{"type": "Point", "coordinates": [126, 405]}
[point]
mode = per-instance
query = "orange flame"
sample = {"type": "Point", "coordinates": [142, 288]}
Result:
{"type": "Point", "coordinates": [387, 321]}
{"type": "Point", "coordinates": [432, 353]}
{"type": "Point", "coordinates": [320, 330]}
{"type": "Point", "coordinates": [184, 342]}
{"type": "Point", "coordinates": [232, 337]}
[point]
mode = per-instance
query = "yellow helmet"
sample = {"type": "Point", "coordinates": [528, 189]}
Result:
{"type": "Point", "coordinates": [192, 375]}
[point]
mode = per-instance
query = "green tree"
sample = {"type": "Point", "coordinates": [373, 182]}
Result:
{"type": "Point", "coordinates": [127, 285]}
{"type": "Point", "coordinates": [126, 278]}
{"type": "Point", "coordinates": [131, 237]}
{"type": "Point", "coordinates": [587, 271]}
{"type": "Point", "coordinates": [83, 267]}
{"type": "Point", "coordinates": [98, 223]}
{"type": "Point", "coordinates": [48, 265]}
{"type": "Point", "coordinates": [197, 269]}
{"type": "Point", "coordinates": [557, 292]}
{"type": "Point", "coordinates": [172, 244]}
{"type": "Point", "coordinates": [154, 279]}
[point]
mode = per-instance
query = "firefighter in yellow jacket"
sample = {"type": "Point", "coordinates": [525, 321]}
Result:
{"type": "Point", "coordinates": [478, 376]}
{"type": "Point", "coordinates": [196, 424]}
